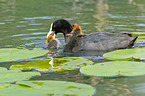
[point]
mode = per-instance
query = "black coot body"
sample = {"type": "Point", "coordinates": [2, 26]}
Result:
{"type": "Point", "coordinates": [92, 41]}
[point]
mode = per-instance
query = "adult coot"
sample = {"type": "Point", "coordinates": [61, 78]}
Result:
{"type": "Point", "coordinates": [77, 41]}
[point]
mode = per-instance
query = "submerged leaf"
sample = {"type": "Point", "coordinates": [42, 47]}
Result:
{"type": "Point", "coordinates": [57, 64]}
{"type": "Point", "coordinates": [114, 68]}
{"type": "Point", "coordinates": [126, 54]}
{"type": "Point", "coordinates": [46, 88]}
{"type": "Point", "coordinates": [14, 75]}
{"type": "Point", "coordinates": [13, 54]}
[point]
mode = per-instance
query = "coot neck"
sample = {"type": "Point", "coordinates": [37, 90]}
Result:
{"type": "Point", "coordinates": [64, 33]}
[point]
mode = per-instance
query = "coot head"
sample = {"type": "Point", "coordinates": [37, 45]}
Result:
{"type": "Point", "coordinates": [62, 26]}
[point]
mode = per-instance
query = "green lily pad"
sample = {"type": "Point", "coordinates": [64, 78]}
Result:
{"type": "Point", "coordinates": [138, 33]}
{"type": "Point", "coordinates": [114, 68]}
{"type": "Point", "coordinates": [126, 54]}
{"type": "Point", "coordinates": [50, 65]}
{"type": "Point", "coordinates": [46, 88]}
{"type": "Point", "coordinates": [14, 75]}
{"type": "Point", "coordinates": [141, 36]}
{"type": "Point", "coordinates": [13, 54]}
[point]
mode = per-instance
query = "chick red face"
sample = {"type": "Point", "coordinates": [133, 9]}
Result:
{"type": "Point", "coordinates": [76, 27]}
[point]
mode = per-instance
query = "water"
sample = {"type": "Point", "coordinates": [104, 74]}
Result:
{"type": "Point", "coordinates": [25, 23]}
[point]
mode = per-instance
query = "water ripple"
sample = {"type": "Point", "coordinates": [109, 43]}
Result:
{"type": "Point", "coordinates": [119, 25]}
{"type": "Point", "coordinates": [140, 24]}
{"type": "Point", "coordinates": [21, 26]}
{"type": "Point", "coordinates": [68, 18]}
{"type": "Point", "coordinates": [29, 44]}
{"type": "Point", "coordinates": [36, 24]}
{"type": "Point", "coordinates": [2, 23]}
{"type": "Point", "coordinates": [140, 88]}
{"type": "Point", "coordinates": [29, 38]}
{"type": "Point", "coordinates": [85, 23]}
{"type": "Point", "coordinates": [38, 33]}
{"type": "Point", "coordinates": [10, 20]}
{"type": "Point", "coordinates": [112, 16]}
{"type": "Point", "coordinates": [31, 29]}
{"type": "Point", "coordinates": [43, 17]}
{"type": "Point", "coordinates": [22, 22]}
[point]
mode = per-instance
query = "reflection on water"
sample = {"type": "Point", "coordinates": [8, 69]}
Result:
{"type": "Point", "coordinates": [44, 17]}
{"type": "Point", "coordinates": [21, 26]}
{"type": "Point", "coordinates": [28, 38]}
{"type": "Point", "coordinates": [140, 24]}
{"type": "Point", "coordinates": [38, 33]}
{"type": "Point", "coordinates": [2, 23]}
{"type": "Point", "coordinates": [140, 88]}
{"type": "Point", "coordinates": [36, 24]}
{"type": "Point", "coordinates": [25, 23]}
{"type": "Point", "coordinates": [32, 29]}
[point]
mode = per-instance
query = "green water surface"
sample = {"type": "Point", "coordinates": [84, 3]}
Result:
{"type": "Point", "coordinates": [25, 23]}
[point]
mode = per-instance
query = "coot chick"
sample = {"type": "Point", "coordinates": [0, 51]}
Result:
{"type": "Point", "coordinates": [51, 41]}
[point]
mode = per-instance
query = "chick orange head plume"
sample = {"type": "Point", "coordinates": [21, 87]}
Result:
{"type": "Point", "coordinates": [75, 25]}
{"type": "Point", "coordinates": [49, 35]}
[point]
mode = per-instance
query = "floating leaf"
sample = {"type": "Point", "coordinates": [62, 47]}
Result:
{"type": "Point", "coordinates": [13, 54]}
{"type": "Point", "coordinates": [14, 75]}
{"type": "Point", "coordinates": [115, 68]}
{"type": "Point", "coordinates": [46, 88]}
{"type": "Point", "coordinates": [57, 64]}
{"type": "Point", "coordinates": [138, 33]}
{"type": "Point", "coordinates": [126, 54]}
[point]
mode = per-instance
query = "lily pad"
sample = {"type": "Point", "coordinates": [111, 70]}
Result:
{"type": "Point", "coordinates": [141, 36]}
{"type": "Point", "coordinates": [126, 54]}
{"type": "Point", "coordinates": [14, 75]}
{"type": "Point", "coordinates": [114, 68]}
{"type": "Point", "coordinates": [50, 65]}
{"type": "Point", "coordinates": [46, 88]}
{"type": "Point", "coordinates": [138, 33]}
{"type": "Point", "coordinates": [13, 54]}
